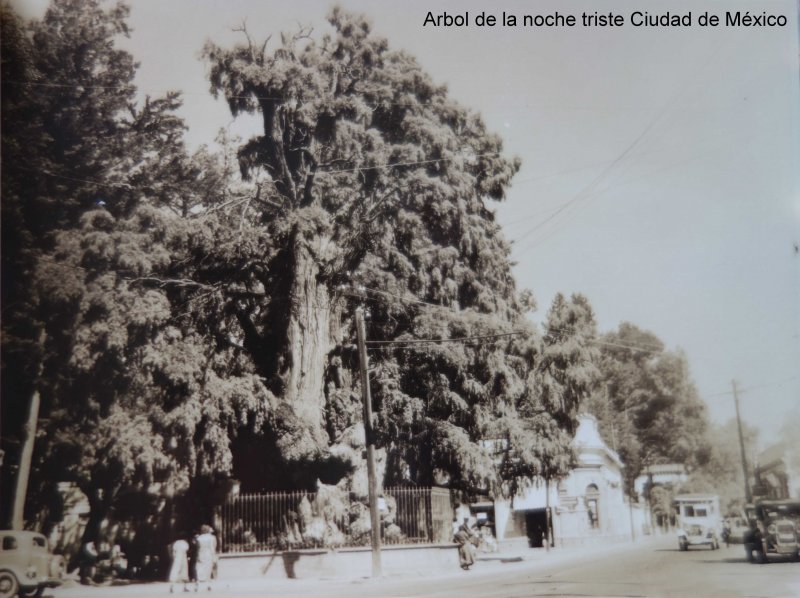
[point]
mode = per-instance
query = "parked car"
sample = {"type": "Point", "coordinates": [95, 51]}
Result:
{"type": "Point", "coordinates": [27, 566]}
{"type": "Point", "coordinates": [775, 530]}
{"type": "Point", "coordinates": [735, 530]}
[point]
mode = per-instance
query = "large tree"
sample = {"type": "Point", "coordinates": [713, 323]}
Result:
{"type": "Point", "coordinates": [96, 194]}
{"type": "Point", "coordinates": [365, 166]}
{"type": "Point", "coordinates": [145, 404]}
{"type": "Point", "coordinates": [66, 94]}
{"type": "Point", "coordinates": [560, 380]}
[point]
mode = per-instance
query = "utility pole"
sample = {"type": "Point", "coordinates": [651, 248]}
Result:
{"type": "Point", "coordinates": [21, 488]}
{"type": "Point", "coordinates": [26, 456]}
{"type": "Point", "coordinates": [747, 495]}
{"type": "Point", "coordinates": [374, 515]}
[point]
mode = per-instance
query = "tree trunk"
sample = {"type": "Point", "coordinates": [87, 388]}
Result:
{"type": "Point", "coordinates": [309, 341]}
{"type": "Point", "coordinates": [99, 507]}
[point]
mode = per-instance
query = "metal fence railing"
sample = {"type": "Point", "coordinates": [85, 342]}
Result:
{"type": "Point", "coordinates": [295, 520]}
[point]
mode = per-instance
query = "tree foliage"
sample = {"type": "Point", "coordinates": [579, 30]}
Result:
{"type": "Point", "coordinates": [722, 472]}
{"type": "Point", "coordinates": [647, 404]}
{"type": "Point", "coordinates": [368, 167]}
{"type": "Point", "coordinates": [97, 199]}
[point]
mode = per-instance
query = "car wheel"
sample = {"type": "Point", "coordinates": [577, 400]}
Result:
{"type": "Point", "coordinates": [683, 546]}
{"type": "Point", "coordinates": [32, 592]}
{"type": "Point", "coordinates": [9, 586]}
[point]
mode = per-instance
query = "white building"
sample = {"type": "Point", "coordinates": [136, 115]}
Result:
{"type": "Point", "coordinates": [588, 505]}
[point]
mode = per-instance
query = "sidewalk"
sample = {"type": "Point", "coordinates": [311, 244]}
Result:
{"type": "Point", "coordinates": [513, 554]}
{"type": "Point", "coordinates": [487, 564]}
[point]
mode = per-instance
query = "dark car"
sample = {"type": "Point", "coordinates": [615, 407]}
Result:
{"type": "Point", "coordinates": [774, 530]}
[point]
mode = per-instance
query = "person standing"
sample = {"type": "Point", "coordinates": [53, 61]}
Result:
{"type": "Point", "coordinates": [179, 571]}
{"type": "Point", "coordinates": [206, 556]}
{"type": "Point", "coordinates": [463, 538]}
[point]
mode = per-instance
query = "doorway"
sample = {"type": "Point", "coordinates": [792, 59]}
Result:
{"type": "Point", "coordinates": [536, 527]}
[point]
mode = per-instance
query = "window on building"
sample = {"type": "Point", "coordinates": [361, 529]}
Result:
{"type": "Point", "coordinates": [592, 506]}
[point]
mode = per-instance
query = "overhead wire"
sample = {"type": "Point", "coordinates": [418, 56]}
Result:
{"type": "Point", "coordinates": [419, 341]}
{"type": "Point", "coordinates": [585, 194]}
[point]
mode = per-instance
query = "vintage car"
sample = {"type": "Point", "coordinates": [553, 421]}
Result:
{"type": "Point", "coordinates": [27, 566]}
{"type": "Point", "coordinates": [735, 530]}
{"type": "Point", "coordinates": [699, 520]}
{"type": "Point", "coordinates": [775, 530]}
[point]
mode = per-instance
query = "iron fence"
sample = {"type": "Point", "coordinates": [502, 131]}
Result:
{"type": "Point", "coordinates": [295, 520]}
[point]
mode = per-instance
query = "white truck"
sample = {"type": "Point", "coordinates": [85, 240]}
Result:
{"type": "Point", "coordinates": [699, 520]}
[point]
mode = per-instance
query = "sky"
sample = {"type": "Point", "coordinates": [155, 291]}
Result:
{"type": "Point", "coordinates": [660, 165]}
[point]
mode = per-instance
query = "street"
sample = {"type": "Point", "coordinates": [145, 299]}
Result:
{"type": "Point", "coordinates": [654, 567]}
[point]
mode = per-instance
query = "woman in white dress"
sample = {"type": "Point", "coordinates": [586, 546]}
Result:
{"type": "Point", "coordinates": [206, 555]}
{"type": "Point", "coordinates": [179, 571]}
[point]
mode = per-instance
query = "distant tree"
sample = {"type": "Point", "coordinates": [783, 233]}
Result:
{"type": "Point", "coordinates": [791, 442]}
{"type": "Point", "coordinates": [563, 371]}
{"type": "Point", "coordinates": [647, 404]}
{"type": "Point", "coordinates": [722, 473]}
{"type": "Point", "coordinates": [569, 364]}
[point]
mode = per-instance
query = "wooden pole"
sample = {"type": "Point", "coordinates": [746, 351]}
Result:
{"type": "Point", "coordinates": [375, 518]}
{"type": "Point", "coordinates": [25, 458]}
{"type": "Point", "coordinates": [747, 494]}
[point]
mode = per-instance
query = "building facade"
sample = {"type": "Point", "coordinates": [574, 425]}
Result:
{"type": "Point", "coordinates": [777, 474]}
{"type": "Point", "coordinates": [586, 506]}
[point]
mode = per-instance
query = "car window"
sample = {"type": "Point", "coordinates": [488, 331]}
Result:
{"type": "Point", "coordinates": [700, 512]}
{"type": "Point", "coordinates": [689, 511]}
{"type": "Point", "coordinates": [9, 543]}
{"type": "Point", "coordinates": [39, 541]}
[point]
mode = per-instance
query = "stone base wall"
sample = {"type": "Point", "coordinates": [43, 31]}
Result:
{"type": "Point", "coordinates": [343, 563]}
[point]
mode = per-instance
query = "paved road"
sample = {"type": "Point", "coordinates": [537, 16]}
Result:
{"type": "Point", "coordinates": [654, 568]}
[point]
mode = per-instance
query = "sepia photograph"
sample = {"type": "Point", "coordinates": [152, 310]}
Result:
{"type": "Point", "coordinates": [429, 298]}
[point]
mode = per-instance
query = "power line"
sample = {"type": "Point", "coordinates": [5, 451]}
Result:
{"type": "Point", "coordinates": [749, 388]}
{"type": "Point", "coordinates": [75, 179]}
{"type": "Point", "coordinates": [343, 170]}
{"type": "Point", "coordinates": [133, 87]}
{"type": "Point", "coordinates": [445, 340]}
{"type": "Point", "coordinates": [415, 163]}
{"type": "Point", "coordinates": [586, 193]}
{"type": "Point", "coordinates": [620, 343]}
{"type": "Point", "coordinates": [409, 299]}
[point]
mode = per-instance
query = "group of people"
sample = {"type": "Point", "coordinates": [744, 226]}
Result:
{"type": "Point", "coordinates": [101, 562]}
{"type": "Point", "coordinates": [205, 560]}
